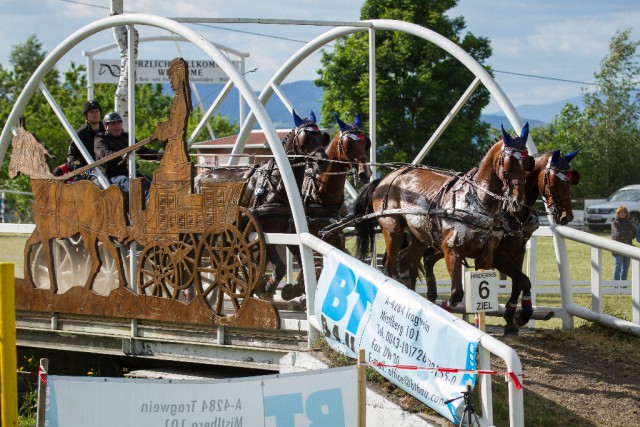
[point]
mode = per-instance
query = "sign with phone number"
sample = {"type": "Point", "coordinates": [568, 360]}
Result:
{"type": "Point", "coordinates": [359, 307]}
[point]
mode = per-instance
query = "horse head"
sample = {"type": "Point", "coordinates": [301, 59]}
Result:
{"type": "Point", "coordinates": [353, 147]}
{"type": "Point", "coordinates": [512, 166]}
{"type": "Point", "coordinates": [308, 141]}
{"type": "Point", "coordinates": [28, 156]}
{"type": "Point", "coordinates": [555, 186]}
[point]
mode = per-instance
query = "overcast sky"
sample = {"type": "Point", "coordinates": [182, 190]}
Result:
{"type": "Point", "coordinates": [548, 38]}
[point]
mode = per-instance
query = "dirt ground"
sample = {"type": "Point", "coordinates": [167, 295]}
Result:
{"type": "Point", "coordinates": [586, 377]}
{"type": "Point", "coordinates": [589, 376]}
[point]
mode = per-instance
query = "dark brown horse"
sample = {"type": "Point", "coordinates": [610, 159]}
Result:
{"type": "Point", "coordinates": [348, 154]}
{"type": "Point", "coordinates": [265, 193]}
{"type": "Point", "coordinates": [463, 216]}
{"type": "Point", "coordinates": [551, 179]}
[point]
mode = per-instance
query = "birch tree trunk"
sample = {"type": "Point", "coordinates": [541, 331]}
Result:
{"type": "Point", "coordinates": [120, 34]}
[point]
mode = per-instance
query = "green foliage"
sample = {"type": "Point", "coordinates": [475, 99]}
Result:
{"type": "Point", "coordinates": [417, 84]}
{"type": "Point", "coordinates": [608, 128]}
{"type": "Point", "coordinates": [69, 91]}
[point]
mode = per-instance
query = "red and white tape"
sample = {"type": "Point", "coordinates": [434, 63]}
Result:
{"type": "Point", "coordinates": [508, 375]}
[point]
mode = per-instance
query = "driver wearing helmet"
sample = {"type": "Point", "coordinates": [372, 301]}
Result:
{"type": "Point", "coordinates": [113, 140]}
{"type": "Point", "coordinates": [92, 113]}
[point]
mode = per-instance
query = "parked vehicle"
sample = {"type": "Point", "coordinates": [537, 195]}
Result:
{"type": "Point", "coordinates": [598, 216]}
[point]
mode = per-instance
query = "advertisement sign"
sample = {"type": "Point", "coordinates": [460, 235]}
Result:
{"type": "Point", "coordinates": [359, 307]}
{"type": "Point", "coordinates": [326, 398]}
{"type": "Point", "coordinates": [157, 71]}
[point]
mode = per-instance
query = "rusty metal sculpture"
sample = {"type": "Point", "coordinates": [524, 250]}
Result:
{"type": "Point", "coordinates": [201, 254]}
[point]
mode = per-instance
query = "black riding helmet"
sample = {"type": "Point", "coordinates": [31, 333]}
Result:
{"type": "Point", "coordinates": [90, 105]}
{"type": "Point", "coordinates": [112, 117]}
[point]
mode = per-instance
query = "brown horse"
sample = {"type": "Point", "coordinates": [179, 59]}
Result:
{"type": "Point", "coordinates": [348, 154]}
{"type": "Point", "coordinates": [463, 216]}
{"type": "Point", "coordinates": [265, 194]}
{"type": "Point", "coordinates": [64, 210]}
{"type": "Point", "coordinates": [551, 179]}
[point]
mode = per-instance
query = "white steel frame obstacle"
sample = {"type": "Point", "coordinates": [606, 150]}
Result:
{"type": "Point", "coordinates": [307, 241]}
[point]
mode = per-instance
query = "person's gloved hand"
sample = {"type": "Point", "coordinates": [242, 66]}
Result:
{"type": "Point", "coordinates": [60, 170]}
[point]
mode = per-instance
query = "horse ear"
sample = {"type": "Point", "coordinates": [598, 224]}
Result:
{"type": "Point", "coordinates": [555, 158]}
{"type": "Point", "coordinates": [297, 121]}
{"type": "Point", "coordinates": [312, 117]}
{"type": "Point", "coordinates": [340, 123]}
{"type": "Point", "coordinates": [505, 136]}
{"type": "Point", "coordinates": [570, 156]}
{"type": "Point", "coordinates": [525, 132]}
{"type": "Point", "coordinates": [357, 121]}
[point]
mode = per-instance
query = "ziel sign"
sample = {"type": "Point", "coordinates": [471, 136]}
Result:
{"type": "Point", "coordinates": [157, 71]}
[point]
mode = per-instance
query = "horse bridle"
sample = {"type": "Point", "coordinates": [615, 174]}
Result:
{"type": "Point", "coordinates": [356, 135]}
{"type": "Point", "coordinates": [299, 141]}
{"type": "Point", "coordinates": [551, 173]}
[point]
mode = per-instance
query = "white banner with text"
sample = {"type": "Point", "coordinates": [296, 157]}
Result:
{"type": "Point", "coordinates": [326, 398]}
{"type": "Point", "coordinates": [157, 71]}
{"type": "Point", "coordinates": [359, 307]}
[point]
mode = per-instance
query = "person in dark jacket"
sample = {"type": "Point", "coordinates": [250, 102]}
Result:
{"type": "Point", "coordinates": [113, 140]}
{"type": "Point", "coordinates": [622, 230]}
{"type": "Point", "coordinates": [92, 113]}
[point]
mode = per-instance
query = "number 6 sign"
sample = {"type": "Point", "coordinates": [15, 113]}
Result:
{"type": "Point", "coordinates": [481, 291]}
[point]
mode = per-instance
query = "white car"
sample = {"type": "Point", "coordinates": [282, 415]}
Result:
{"type": "Point", "coordinates": [600, 215]}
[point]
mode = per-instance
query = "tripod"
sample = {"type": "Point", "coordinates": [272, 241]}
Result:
{"type": "Point", "coordinates": [469, 412]}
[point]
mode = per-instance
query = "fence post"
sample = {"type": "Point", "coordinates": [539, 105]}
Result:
{"type": "Point", "coordinates": [43, 370]}
{"type": "Point", "coordinates": [596, 280]}
{"type": "Point", "coordinates": [8, 355]}
{"type": "Point", "coordinates": [532, 272]}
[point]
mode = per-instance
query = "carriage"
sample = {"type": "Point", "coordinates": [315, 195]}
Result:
{"type": "Point", "coordinates": [198, 257]}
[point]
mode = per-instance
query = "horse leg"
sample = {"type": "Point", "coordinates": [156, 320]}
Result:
{"type": "Point", "coordinates": [33, 240]}
{"type": "Point", "coordinates": [429, 260]}
{"type": "Point", "coordinates": [454, 267]}
{"type": "Point", "coordinates": [409, 260]}
{"type": "Point", "coordinates": [393, 239]}
{"type": "Point", "coordinates": [523, 317]}
{"type": "Point", "coordinates": [511, 270]}
{"type": "Point", "coordinates": [47, 247]}
{"type": "Point", "coordinates": [115, 253]}
{"type": "Point", "coordinates": [91, 244]}
{"type": "Point", "coordinates": [280, 269]}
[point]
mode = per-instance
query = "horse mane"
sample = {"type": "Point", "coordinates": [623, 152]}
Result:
{"type": "Point", "coordinates": [28, 156]}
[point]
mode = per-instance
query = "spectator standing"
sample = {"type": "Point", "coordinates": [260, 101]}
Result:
{"type": "Point", "coordinates": [622, 230]}
{"type": "Point", "coordinates": [92, 113]}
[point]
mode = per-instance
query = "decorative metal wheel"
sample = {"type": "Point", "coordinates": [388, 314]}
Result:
{"type": "Point", "coordinates": [157, 272]}
{"type": "Point", "coordinates": [183, 253]}
{"type": "Point", "coordinates": [65, 264]}
{"type": "Point", "coordinates": [230, 261]}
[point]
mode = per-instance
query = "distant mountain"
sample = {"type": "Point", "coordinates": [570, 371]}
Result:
{"type": "Point", "coordinates": [305, 96]}
{"type": "Point", "coordinates": [534, 114]}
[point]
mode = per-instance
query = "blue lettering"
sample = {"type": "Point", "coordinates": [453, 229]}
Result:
{"type": "Point", "coordinates": [283, 407]}
{"type": "Point", "coordinates": [367, 292]}
{"type": "Point", "coordinates": [343, 283]}
{"type": "Point", "coordinates": [325, 408]}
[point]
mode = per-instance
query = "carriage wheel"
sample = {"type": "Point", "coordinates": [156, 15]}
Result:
{"type": "Point", "coordinates": [225, 267]}
{"type": "Point", "coordinates": [156, 273]}
{"type": "Point", "coordinates": [251, 233]}
{"type": "Point", "coordinates": [65, 263]}
{"type": "Point", "coordinates": [183, 253]}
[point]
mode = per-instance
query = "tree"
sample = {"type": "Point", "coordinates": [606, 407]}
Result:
{"type": "Point", "coordinates": [69, 91]}
{"type": "Point", "coordinates": [607, 131]}
{"type": "Point", "coordinates": [417, 84]}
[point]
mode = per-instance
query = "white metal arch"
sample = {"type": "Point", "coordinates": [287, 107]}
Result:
{"type": "Point", "coordinates": [238, 79]}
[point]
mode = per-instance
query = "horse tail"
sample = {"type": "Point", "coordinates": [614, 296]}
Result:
{"type": "Point", "coordinates": [364, 228]}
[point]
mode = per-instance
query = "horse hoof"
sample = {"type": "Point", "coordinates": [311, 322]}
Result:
{"type": "Point", "coordinates": [511, 329]}
{"type": "Point", "coordinates": [288, 292]}
{"type": "Point", "coordinates": [298, 290]}
{"type": "Point", "coordinates": [520, 318]}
